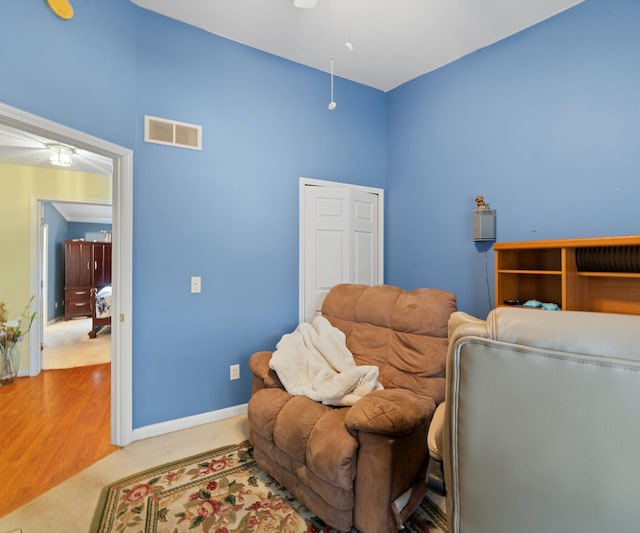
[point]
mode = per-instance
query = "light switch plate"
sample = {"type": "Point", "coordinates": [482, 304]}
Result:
{"type": "Point", "coordinates": [196, 284]}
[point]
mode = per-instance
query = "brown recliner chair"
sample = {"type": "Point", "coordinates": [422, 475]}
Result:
{"type": "Point", "coordinates": [349, 464]}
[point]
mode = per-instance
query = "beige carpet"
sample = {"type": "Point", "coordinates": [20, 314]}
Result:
{"type": "Point", "coordinates": [67, 345]}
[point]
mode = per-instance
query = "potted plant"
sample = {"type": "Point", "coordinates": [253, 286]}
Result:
{"type": "Point", "coordinates": [11, 333]}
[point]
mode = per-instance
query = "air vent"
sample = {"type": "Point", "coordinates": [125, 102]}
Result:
{"type": "Point", "coordinates": [172, 133]}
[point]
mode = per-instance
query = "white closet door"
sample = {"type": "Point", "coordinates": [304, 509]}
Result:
{"type": "Point", "coordinates": [327, 227]}
{"type": "Point", "coordinates": [364, 238]}
{"type": "Point", "coordinates": [340, 241]}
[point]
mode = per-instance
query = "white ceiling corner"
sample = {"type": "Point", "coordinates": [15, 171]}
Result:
{"type": "Point", "coordinates": [81, 212]}
{"type": "Point", "coordinates": [394, 41]}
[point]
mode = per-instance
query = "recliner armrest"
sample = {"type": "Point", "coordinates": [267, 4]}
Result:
{"type": "Point", "coordinates": [390, 412]}
{"type": "Point", "coordinates": [263, 376]}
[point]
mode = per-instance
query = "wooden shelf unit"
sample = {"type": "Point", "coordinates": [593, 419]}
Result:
{"type": "Point", "coordinates": [548, 271]}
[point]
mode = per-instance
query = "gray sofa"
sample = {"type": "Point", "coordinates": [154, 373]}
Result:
{"type": "Point", "coordinates": [540, 430]}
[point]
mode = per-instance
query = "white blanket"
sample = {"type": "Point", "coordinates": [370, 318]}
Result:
{"type": "Point", "coordinates": [314, 361]}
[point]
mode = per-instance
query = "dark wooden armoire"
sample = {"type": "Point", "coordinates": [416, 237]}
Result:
{"type": "Point", "coordinates": [87, 265]}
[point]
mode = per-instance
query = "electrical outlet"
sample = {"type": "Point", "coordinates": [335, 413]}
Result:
{"type": "Point", "coordinates": [234, 372]}
{"type": "Point", "coordinates": [196, 284]}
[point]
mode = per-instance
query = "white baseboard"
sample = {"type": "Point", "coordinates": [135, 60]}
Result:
{"type": "Point", "coordinates": [54, 321]}
{"type": "Point", "coordinates": [188, 422]}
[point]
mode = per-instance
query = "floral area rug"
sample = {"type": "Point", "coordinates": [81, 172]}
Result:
{"type": "Point", "coordinates": [221, 491]}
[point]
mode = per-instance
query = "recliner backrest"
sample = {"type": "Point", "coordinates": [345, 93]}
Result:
{"type": "Point", "coordinates": [403, 332]}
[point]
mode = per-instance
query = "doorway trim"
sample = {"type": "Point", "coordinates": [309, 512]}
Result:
{"type": "Point", "coordinates": [312, 182]}
{"type": "Point", "coordinates": [122, 204]}
{"type": "Point", "coordinates": [44, 267]}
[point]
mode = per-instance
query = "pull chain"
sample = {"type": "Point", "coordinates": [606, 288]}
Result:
{"type": "Point", "coordinates": [332, 104]}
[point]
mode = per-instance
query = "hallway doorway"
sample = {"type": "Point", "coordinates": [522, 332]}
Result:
{"type": "Point", "coordinates": [122, 158]}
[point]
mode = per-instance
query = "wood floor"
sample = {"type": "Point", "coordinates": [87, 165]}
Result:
{"type": "Point", "coordinates": [52, 426]}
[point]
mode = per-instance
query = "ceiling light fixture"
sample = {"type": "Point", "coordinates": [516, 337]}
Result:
{"type": "Point", "coordinates": [60, 155]}
{"type": "Point", "coordinates": [332, 104]}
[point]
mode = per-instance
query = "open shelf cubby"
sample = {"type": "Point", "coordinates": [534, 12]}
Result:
{"type": "Point", "coordinates": [558, 271]}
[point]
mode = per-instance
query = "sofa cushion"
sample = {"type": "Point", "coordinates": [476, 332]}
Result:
{"type": "Point", "coordinates": [578, 331]}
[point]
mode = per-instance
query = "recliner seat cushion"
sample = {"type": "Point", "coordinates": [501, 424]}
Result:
{"type": "Point", "coordinates": [311, 440]}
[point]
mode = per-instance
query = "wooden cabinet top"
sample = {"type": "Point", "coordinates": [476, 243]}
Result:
{"type": "Point", "coordinates": [71, 241]}
{"type": "Point", "coordinates": [624, 240]}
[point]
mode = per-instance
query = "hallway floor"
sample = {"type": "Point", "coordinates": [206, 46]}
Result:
{"type": "Point", "coordinates": [53, 426]}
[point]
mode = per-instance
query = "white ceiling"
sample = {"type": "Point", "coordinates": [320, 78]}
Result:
{"type": "Point", "coordinates": [18, 147]}
{"type": "Point", "coordinates": [394, 41]}
{"type": "Point", "coordinates": [77, 212]}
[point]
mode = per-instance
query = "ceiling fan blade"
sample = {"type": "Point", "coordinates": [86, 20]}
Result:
{"type": "Point", "coordinates": [306, 4]}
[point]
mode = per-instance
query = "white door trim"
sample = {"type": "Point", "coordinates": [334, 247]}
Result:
{"type": "Point", "coordinates": [44, 268]}
{"type": "Point", "coordinates": [122, 198]}
{"type": "Point", "coordinates": [306, 182]}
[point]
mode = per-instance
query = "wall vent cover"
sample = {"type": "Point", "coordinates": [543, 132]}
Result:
{"type": "Point", "coordinates": [172, 133]}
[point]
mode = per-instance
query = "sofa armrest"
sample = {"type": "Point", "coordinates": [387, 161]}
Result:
{"type": "Point", "coordinates": [390, 412]}
{"type": "Point", "coordinates": [462, 324]}
{"type": "Point", "coordinates": [263, 376]}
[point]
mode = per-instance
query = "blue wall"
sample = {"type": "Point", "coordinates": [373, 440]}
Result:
{"type": "Point", "coordinates": [546, 124]}
{"type": "Point", "coordinates": [78, 230]}
{"type": "Point", "coordinates": [80, 73]}
{"type": "Point", "coordinates": [58, 232]}
{"type": "Point", "coordinates": [228, 213]}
